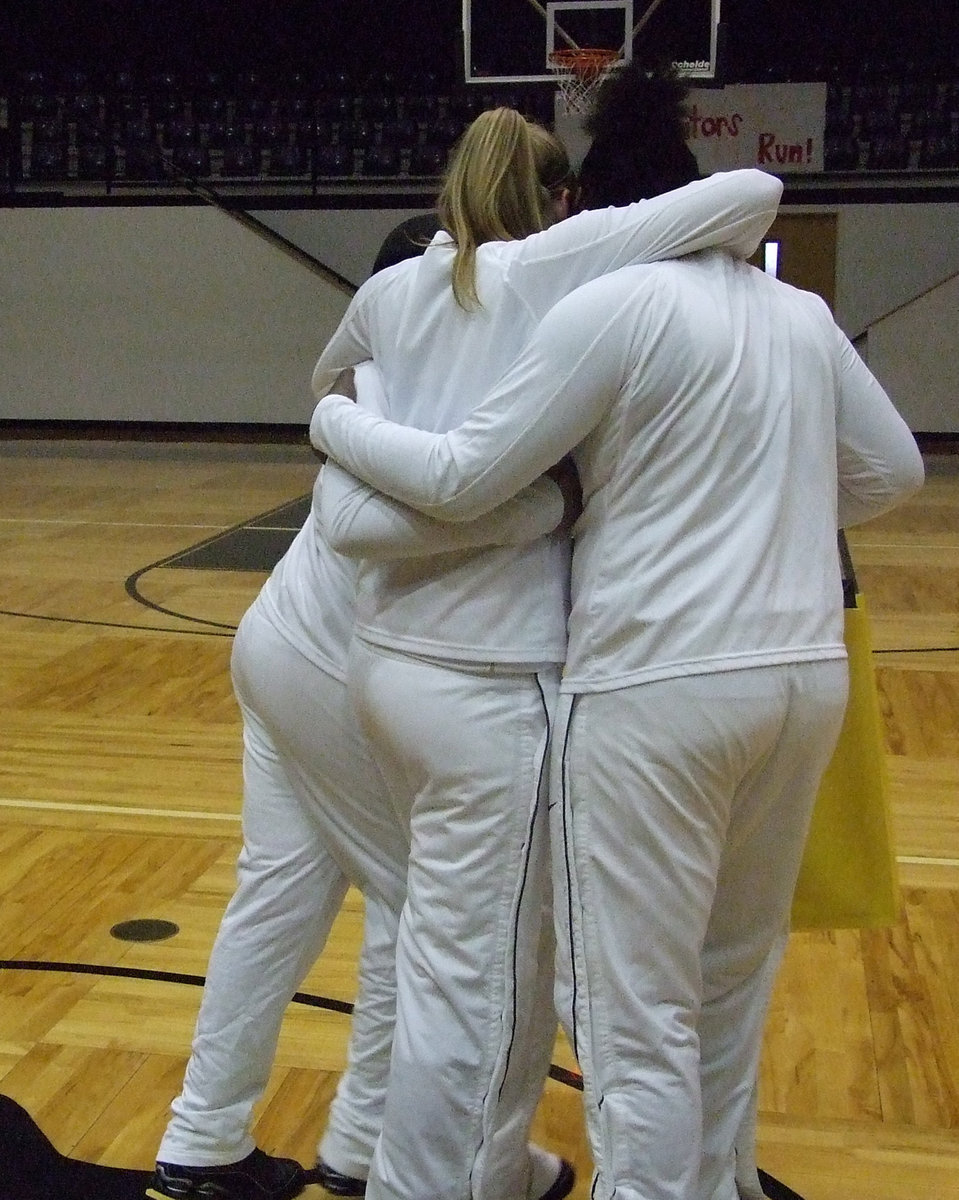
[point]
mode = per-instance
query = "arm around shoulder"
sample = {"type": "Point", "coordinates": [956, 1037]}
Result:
{"type": "Point", "coordinates": [360, 522]}
{"type": "Point", "coordinates": [731, 210]}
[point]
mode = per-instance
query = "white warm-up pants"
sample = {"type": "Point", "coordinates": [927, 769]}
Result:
{"type": "Point", "coordinates": [680, 813]}
{"type": "Point", "coordinates": [464, 752]}
{"type": "Point", "coordinates": [315, 816]}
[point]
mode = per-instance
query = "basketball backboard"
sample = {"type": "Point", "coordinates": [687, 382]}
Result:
{"type": "Point", "coordinates": [509, 41]}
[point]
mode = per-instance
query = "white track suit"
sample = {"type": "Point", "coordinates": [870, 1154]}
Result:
{"type": "Point", "coordinates": [315, 815]}
{"type": "Point", "coordinates": [454, 673]}
{"type": "Point", "coordinates": [724, 429]}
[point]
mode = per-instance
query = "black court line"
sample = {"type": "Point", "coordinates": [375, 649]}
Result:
{"type": "Point", "coordinates": [560, 1074]}
{"type": "Point", "coordinates": [16, 964]}
{"type": "Point", "coordinates": [228, 631]}
{"type": "Point", "coordinates": [918, 650]}
{"type": "Point", "coordinates": [10, 612]}
{"type": "Point", "coordinates": [256, 544]}
{"type": "Point", "coordinates": [772, 1187]}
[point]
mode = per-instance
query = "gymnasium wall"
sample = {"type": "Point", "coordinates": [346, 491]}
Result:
{"type": "Point", "coordinates": [181, 314]}
{"type": "Point", "coordinates": [913, 352]}
{"type": "Point", "coordinates": [897, 293]}
{"type": "Point", "coordinates": [155, 314]}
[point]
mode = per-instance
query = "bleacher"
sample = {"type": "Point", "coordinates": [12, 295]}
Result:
{"type": "Point", "coordinates": [128, 131]}
{"type": "Point", "coordinates": [71, 131]}
{"type": "Point", "coordinates": [910, 124]}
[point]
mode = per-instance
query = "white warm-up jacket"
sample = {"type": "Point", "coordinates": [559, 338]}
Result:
{"type": "Point", "coordinates": [504, 604]}
{"type": "Point", "coordinates": [310, 595]}
{"type": "Point", "coordinates": [724, 429]}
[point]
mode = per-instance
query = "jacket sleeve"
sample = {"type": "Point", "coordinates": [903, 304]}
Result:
{"type": "Point", "coordinates": [878, 461]}
{"type": "Point", "coordinates": [360, 522]}
{"type": "Point", "coordinates": [731, 210]}
{"type": "Point", "coordinates": [349, 345]}
{"type": "Point", "coordinates": [549, 400]}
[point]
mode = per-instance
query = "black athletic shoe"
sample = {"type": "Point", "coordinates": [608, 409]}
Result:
{"type": "Point", "coordinates": [259, 1176]}
{"type": "Point", "coordinates": [335, 1183]}
{"type": "Point", "coordinates": [776, 1190]}
{"type": "Point", "coordinates": [562, 1184]}
{"type": "Point", "coordinates": [345, 1185]}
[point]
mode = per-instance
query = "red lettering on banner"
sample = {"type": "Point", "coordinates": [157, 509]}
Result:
{"type": "Point", "coordinates": [719, 126]}
{"type": "Point", "coordinates": [782, 153]}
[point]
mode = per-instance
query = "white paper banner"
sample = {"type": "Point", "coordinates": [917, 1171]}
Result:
{"type": "Point", "coordinates": [776, 126]}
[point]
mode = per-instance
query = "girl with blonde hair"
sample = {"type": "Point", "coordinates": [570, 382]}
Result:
{"type": "Point", "coordinates": [456, 657]}
{"type": "Point", "coordinates": [507, 179]}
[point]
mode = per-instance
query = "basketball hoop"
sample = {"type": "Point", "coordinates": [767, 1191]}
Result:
{"type": "Point", "coordinates": [579, 73]}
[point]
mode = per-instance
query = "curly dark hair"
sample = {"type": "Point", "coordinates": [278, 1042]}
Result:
{"type": "Point", "coordinates": [637, 123]}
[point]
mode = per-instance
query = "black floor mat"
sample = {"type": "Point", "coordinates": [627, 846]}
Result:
{"type": "Point", "coordinates": [31, 1168]}
{"type": "Point", "coordinates": [775, 1190]}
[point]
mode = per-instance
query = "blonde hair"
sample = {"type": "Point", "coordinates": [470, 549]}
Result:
{"type": "Point", "coordinates": [502, 177]}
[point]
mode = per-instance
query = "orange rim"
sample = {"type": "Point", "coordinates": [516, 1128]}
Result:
{"type": "Point", "coordinates": [583, 63]}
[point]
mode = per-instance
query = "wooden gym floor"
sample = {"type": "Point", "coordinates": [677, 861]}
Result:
{"type": "Point", "coordinates": [124, 567]}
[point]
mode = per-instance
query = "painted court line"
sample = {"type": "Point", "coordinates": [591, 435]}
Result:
{"type": "Point", "coordinates": [106, 524]}
{"type": "Point", "coordinates": [118, 810]}
{"type": "Point", "coordinates": [917, 860]}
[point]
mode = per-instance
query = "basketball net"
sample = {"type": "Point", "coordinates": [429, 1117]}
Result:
{"type": "Point", "coordinates": [579, 73]}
